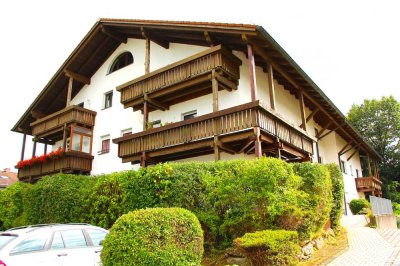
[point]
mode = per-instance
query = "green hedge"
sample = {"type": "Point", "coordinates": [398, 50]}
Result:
{"type": "Point", "coordinates": [338, 195]}
{"type": "Point", "coordinates": [230, 198]}
{"type": "Point", "coordinates": [159, 236]}
{"type": "Point", "coordinates": [270, 247]}
{"type": "Point", "coordinates": [356, 205]}
{"type": "Point", "coordinates": [12, 202]}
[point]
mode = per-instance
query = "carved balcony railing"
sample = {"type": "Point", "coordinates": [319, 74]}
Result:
{"type": "Point", "coordinates": [229, 121]}
{"type": "Point", "coordinates": [187, 77]}
{"type": "Point", "coordinates": [69, 162]}
{"type": "Point", "coordinates": [368, 184]}
{"type": "Point", "coordinates": [55, 121]}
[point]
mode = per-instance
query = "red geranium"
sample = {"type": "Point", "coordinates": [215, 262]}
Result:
{"type": "Point", "coordinates": [40, 159]}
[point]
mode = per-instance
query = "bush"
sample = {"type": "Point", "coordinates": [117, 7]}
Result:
{"type": "Point", "coordinates": [318, 204]}
{"type": "Point", "coordinates": [356, 205]}
{"type": "Point", "coordinates": [61, 198]}
{"type": "Point", "coordinates": [337, 193]}
{"type": "Point", "coordinates": [158, 236]}
{"type": "Point", "coordinates": [12, 201]}
{"type": "Point", "coordinates": [269, 247]}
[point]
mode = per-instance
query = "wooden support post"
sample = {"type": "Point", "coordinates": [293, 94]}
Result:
{"type": "Point", "coordinates": [69, 91]}
{"type": "Point", "coordinates": [252, 72]}
{"type": "Point", "coordinates": [323, 129]}
{"type": "Point", "coordinates": [34, 148]}
{"type": "Point", "coordinates": [214, 81]}
{"type": "Point", "coordinates": [278, 149]}
{"type": "Point", "coordinates": [257, 143]}
{"type": "Point", "coordinates": [271, 86]}
{"type": "Point", "coordinates": [65, 138]}
{"type": "Point", "coordinates": [302, 111]}
{"type": "Point", "coordinates": [375, 169]}
{"type": "Point", "coordinates": [45, 148]}
{"type": "Point", "coordinates": [369, 166]}
{"type": "Point", "coordinates": [143, 161]}
{"type": "Point", "coordinates": [147, 57]}
{"type": "Point", "coordinates": [145, 115]}
{"type": "Point", "coordinates": [311, 116]}
{"type": "Point", "coordinates": [23, 147]}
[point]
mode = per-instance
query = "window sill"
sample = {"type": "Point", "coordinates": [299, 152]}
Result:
{"type": "Point", "coordinates": [105, 108]}
{"type": "Point", "coordinates": [103, 152]}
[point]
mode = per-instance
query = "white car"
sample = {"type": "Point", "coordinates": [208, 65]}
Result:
{"type": "Point", "coordinates": [52, 245]}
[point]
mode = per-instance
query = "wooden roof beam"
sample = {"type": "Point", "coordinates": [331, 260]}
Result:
{"type": "Point", "coordinates": [155, 103]}
{"type": "Point", "coordinates": [77, 77]}
{"type": "Point", "coordinates": [116, 36]}
{"type": "Point", "coordinates": [208, 38]}
{"type": "Point", "coordinates": [310, 116]}
{"type": "Point", "coordinates": [156, 39]}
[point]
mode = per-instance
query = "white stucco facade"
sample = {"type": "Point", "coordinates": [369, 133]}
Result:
{"type": "Point", "coordinates": [111, 122]}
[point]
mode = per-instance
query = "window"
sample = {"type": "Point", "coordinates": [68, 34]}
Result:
{"type": "Point", "coordinates": [33, 243]}
{"type": "Point", "coordinates": [81, 139]}
{"type": "Point", "coordinates": [343, 166]}
{"type": "Point", "coordinates": [126, 132]}
{"type": "Point", "coordinates": [189, 115]}
{"type": "Point", "coordinates": [73, 238]}
{"type": "Point", "coordinates": [96, 236]}
{"type": "Point", "coordinates": [351, 170]}
{"type": "Point", "coordinates": [108, 99]}
{"type": "Point", "coordinates": [121, 61]}
{"type": "Point", "coordinates": [57, 241]}
{"type": "Point", "coordinates": [5, 239]}
{"type": "Point", "coordinates": [357, 173]}
{"type": "Point", "coordinates": [105, 144]}
{"type": "Point", "coordinates": [155, 124]}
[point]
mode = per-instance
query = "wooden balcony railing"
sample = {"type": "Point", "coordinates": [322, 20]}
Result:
{"type": "Point", "coordinates": [180, 76]}
{"type": "Point", "coordinates": [71, 161]}
{"type": "Point", "coordinates": [368, 184]}
{"type": "Point", "coordinates": [231, 120]}
{"type": "Point", "coordinates": [71, 114]}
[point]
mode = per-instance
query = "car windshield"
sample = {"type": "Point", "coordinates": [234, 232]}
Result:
{"type": "Point", "coordinates": [5, 239]}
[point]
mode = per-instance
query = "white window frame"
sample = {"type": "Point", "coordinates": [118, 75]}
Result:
{"type": "Point", "coordinates": [103, 138]}
{"type": "Point", "coordinates": [193, 112]}
{"type": "Point", "coordinates": [105, 99]}
{"type": "Point", "coordinates": [125, 131]}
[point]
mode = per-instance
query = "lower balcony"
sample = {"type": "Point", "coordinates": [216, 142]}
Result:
{"type": "Point", "coordinates": [369, 184]}
{"type": "Point", "coordinates": [68, 162]}
{"type": "Point", "coordinates": [236, 129]}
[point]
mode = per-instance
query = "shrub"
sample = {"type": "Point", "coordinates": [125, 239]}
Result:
{"type": "Point", "coordinates": [316, 182]}
{"type": "Point", "coordinates": [269, 247]}
{"type": "Point", "coordinates": [170, 236]}
{"type": "Point", "coordinates": [61, 198]}
{"type": "Point", "coordinates": [12, 205]}
{"type": "Point", "coordinates": [356, 205]}
{"type": "Point", "coordinates": [337, 193]}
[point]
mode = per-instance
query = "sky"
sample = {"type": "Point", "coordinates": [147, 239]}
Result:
{"type": "Point", "coordinates": [350, 49]}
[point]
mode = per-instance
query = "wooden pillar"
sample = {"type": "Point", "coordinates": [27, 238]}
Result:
{"type": "Point", "coordinates": [34, 148]}
{"type": "Point", "coordinates": [214, 81]}
{"type": "Point", "coordinates": [302, 110]}
{"type": "Point", "coordinates": [23, 147]}
{"type": "Point", "coordinates": [252, 72]}
{"type": "Point", "coordinates": [147, 57]}
{"type": "Point", "coordinates": [145, 115]}
{"type": "Point", "coordinates": [65, 138]}
{"type": "Point", "coordinates": [375, 169]}
{"type": "Point", "coordinates": [369, 166]}
{"type": "Point", "coordinates": [45, 148]}
{"type": "Point", "coordinates": [278, 148]}
{"type": "Point", "coordinates": [143, 162]}
{"type": "Point", "coordinates": [69, 91]}
{"type": "Point", "coordinates": [257, 143]}
{"type": "Point", "coordinates": [271, 86]}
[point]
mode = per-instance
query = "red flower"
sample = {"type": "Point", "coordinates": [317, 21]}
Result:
{"type": "Point", "coordinates": [40, 159]}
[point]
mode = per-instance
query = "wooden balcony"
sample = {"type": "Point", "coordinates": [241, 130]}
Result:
{"type": "Point", "coordinates": [70, 162]}
{"type": "Point", "coordinates": [234, 128]}
{"type": "Point", "coordinates": [185, 79]}
{"type": "Point", "coordinates": [369, 184]}
{"type": "Point", "coordinates": [55, 122]}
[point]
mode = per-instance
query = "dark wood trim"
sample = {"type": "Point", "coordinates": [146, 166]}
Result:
{"type": "Point", "coordinates": [34, 148]}
{"type": "Point", "coordinates": [344, 148]}
{"type": "Point", "coordinates": [115, 36]}
{"type": "Point", "coordinates": [323, 129]}
{"type": "Point", "coordinates": [208, 38]}
{"type": "Point", "coordinates": [145, 115]}
{"type": "Point", "coordinates": [62, 111]}
{"type": "Point", "coordinates": [252, 72]}
{"type": "Point", "coordinates": [302, 111]}
{"type": "Point", "coordinates": [155, 103]}
{"type": "Point", "coordinates": [147, 57]}
{"type": "Point", "coordinates": [310, 116]}
{"type": "Point", "coordinates": [23, 147]}
{"type": "Point", "coordinates": [147, 34]}
{"type": "Point", "coordinates": [78, 77]}
{"type": "Point", "coordinates": [351, 155]}
{"type": "Point", "coordinates": [69, 91]}
{"type": "Point", "coordinates": [271, 86]}
{"type": "Point", "coordinates": [369, 166]}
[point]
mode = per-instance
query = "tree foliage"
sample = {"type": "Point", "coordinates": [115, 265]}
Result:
{"type": "Point", "coordinates": [379, 122]}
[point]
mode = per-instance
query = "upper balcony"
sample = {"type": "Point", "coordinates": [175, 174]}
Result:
{"type": "Point", "coordinates": [52, 123]}
{"type": "Point", "coordinates": [234, 128]}
{"type": "Point", "coordinates": [369, 184]}
{"type": "Point", "coordinates": [185, 79]}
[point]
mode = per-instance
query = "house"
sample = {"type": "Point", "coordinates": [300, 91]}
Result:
{"type": "Point", "coordinates": [7, 178]}
{"type": "Point", "coordinates": [139, 92]}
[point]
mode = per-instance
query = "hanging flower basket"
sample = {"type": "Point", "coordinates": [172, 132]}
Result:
{"type": "Point", "coordinates": [40, 159]}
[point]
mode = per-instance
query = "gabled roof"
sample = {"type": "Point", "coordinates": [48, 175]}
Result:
{"type": "Point", "coordinates": [107, 34]}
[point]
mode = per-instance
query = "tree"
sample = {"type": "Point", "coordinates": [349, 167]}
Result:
{"type": "Point", "coordinates": [379, 122]}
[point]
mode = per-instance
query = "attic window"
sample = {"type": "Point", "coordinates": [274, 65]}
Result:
{"type": "Point", "coordinates": [121, 61]}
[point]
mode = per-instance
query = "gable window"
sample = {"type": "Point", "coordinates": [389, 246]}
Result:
{"type": "Point", "coordinates": [108, 99]}
{"type": "Point", "coordinates": [189, 115]}
{"type": "Point", "coordinates": [105, 144]}
{"type": "Point", "coordinates": [121, 61]}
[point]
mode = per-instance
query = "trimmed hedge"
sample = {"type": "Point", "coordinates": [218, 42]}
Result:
{"type": "Point", "coordinates": [356, 205]}
{"type": "Point", "coordinates": [230, 198]}
{"type": "Point", "coordinates": [159, 236]}
{"type": "Point", "coordinates": [270, 247]}
{"type": "Point", "coordinates": [12, 205]}
{"type": "Point", "coordinates": [338, 195]}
